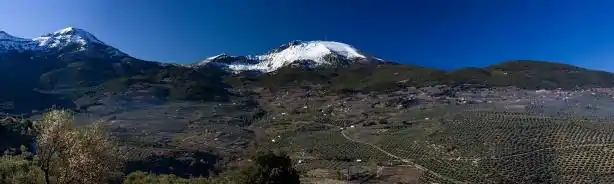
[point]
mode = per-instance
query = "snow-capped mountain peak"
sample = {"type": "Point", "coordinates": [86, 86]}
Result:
{"type": "Point", "coordinates": [314, 51]}
{"type": "Point", "coordinates": [67, 40]}
{"type": "Point", "coordinates": [67, 36]}
{"type": "Point", "coordinates": [309, 53]}
{"type": "Point", "coordinates": [297, 50]}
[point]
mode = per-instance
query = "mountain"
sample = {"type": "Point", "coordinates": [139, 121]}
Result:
{"type": "Point", "coordinates": [34, 69]}
{"type": "Point", "coordinates": [66, 57]}
{"type": "Point", "coordinates": [307, 54]}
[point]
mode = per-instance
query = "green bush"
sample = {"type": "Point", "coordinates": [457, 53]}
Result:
{"type": "Point", "coordinates": [15, 132]}
{"type": "Point", "coordinates": [17, 169]}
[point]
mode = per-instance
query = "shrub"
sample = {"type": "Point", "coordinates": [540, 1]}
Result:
{"type": "Point", "coordinates": [17, 169]}
{"type": "Point", "coordinates": [139, 177]}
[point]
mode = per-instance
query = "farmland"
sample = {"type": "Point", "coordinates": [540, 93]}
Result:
{"type": "Point", "coordinates": [501, 140]}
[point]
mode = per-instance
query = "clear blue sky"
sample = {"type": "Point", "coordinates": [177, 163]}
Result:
{"type": "Point", "coordinates": [437, 33]}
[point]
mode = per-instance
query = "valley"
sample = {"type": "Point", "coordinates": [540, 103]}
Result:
{"type": "Point", "coordinates": [340, 115]}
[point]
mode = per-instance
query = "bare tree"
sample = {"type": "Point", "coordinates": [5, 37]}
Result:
{"type": "Point", "coordinates": [75, 155]}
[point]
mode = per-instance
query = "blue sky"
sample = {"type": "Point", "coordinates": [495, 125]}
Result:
{"type": "Point", "coordinates": [437, 33]}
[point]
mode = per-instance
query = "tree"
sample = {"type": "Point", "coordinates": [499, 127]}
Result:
{"type": "Point", "coordinates": [270, 168]}
{"type": "Point", "coordinates": [55, 131]}
{"type": "Point", "coordinates": [69, 154]}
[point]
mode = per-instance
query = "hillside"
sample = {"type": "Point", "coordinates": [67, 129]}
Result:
{"type": "Point", "coordinates": [389, 77]}
{"type": "Point", "coordinates": [548, 75]}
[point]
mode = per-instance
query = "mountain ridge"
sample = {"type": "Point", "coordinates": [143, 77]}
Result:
{"type": "Point", "coordinates": [335, 64]}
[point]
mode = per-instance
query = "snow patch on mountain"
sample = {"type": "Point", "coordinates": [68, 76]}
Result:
{"type": "Point", "coordinates": [217, 56]}
{"type": "Point", "coordinates": [212, 58]}
{"type": "Point", "coordinates": [7, 37]}
{"type": "Point", "coordinates": [312, 51]}
{"type": "Point", "coordinates": [9, 42]}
